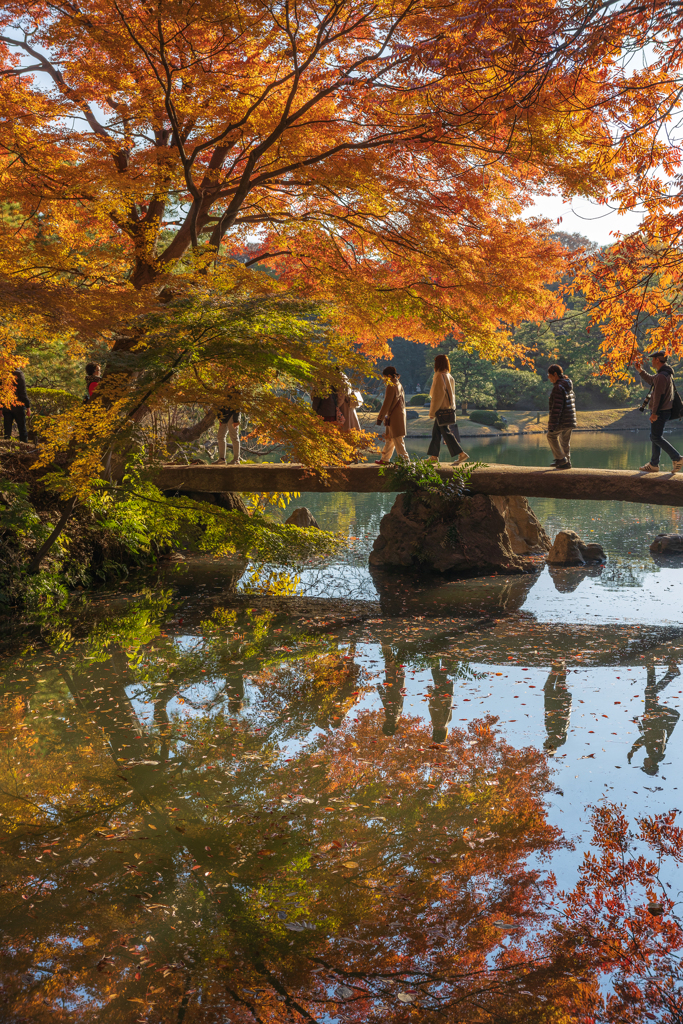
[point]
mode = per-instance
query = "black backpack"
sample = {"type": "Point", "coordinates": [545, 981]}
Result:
{"type": "Point", "coordinates": [677, 406]}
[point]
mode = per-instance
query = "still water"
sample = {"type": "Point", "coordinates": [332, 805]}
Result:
{"type": "Point", "coordinates": [213, 809]}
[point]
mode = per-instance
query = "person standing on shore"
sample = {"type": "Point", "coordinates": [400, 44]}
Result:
{"type": "Point", "coordinates": [561, 416]}
{"type": "Point", "coordinates": [393, 415]}
{"type": "Point", "coordinates": [442, 411]}
{"type": "Point", "coordinates": [661, 403]}
{"type": "Point", "coordinates": [19, 409]}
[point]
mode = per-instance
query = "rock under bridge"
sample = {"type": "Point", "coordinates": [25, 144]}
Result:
{"type": "Point", "coordinates": [529, 481]}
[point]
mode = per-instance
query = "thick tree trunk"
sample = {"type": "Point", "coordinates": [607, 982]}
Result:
{"type": "Point", "coordinates": [527, 481]}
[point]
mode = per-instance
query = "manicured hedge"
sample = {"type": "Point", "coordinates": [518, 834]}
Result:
{"type": "Point", "coordinates": [488, 418]}
{"type": "Point", "coordinates": [418, 400]}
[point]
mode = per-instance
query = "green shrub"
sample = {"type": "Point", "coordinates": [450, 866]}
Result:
{"type": "Point", "coordinates": [372, 404]}
{"type": "Point", "coordinates": [488, 418]}
{"type": "Point", "coordinates": [48, 401]}
{"type": "Point", "coordinates": [418, 400]}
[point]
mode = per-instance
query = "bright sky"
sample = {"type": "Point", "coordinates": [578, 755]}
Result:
{"type": "Point", "coordinates": [587, 218]}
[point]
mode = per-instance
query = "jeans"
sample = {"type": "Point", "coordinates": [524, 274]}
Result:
{"type": "Point", "coordinates": [445, 431]}
{"type": "Point", "coordinates": [559, 441]}
{"type": "Point", "coordinates": [658, 442]}
{"type": "Point", "coordinates": [17, 414]}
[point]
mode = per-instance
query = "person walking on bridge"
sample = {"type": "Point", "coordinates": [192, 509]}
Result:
{"type": "Point", "coordinates": [442, 411]}
{"type": "Point", "coordinates": [661, 403]}
{"type": "Point", "coordinates": [561, 416]}
{"type": "Point", "coordinates": [393, 415]}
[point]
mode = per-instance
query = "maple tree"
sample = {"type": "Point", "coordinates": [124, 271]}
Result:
{"type": "Point", "coordinates": [375, 157]}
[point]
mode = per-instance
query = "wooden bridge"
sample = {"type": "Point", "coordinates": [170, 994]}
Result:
{"type": "Point", "coordinates": [661, 488]}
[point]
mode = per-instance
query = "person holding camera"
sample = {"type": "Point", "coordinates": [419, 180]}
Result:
{"type": "Point", "coordinates": [393, 415]}
{"type": "Point", "coordinates": [660, 402]}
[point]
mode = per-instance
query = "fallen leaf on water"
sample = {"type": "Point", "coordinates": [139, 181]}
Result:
{"type": "Point", "coordinates": [345, 992]}
{"type": "Point", "coordinates": [350, 864]}
{"type": "Point", "coordinates": [406, 997]}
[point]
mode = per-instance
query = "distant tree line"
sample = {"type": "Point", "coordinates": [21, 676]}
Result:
{"type": "Point", "coordinates": [571, 341]}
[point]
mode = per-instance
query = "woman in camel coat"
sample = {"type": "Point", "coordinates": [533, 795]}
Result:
{"type": "Point", "coordinates": [393, 415]}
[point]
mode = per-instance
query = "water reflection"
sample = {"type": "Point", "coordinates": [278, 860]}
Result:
{"type": "Point", "coordinates": [658, 721]}
{"type": "Point", "coordinates": [238, 818]}
{"type": "Point", "coordinates": [392, 690]}
{"type": "Point", "coordinates": [567, 580]}
{"type": "Point", "coordinates": [440, 703]}
{"type": "Point", "coordinates": [558, 706]}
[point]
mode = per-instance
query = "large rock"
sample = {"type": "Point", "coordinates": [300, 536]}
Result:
{"type": "Point", "coordinates": [667, 544]}
{"type": "Point", "coordinates": [468, 536]}
{"type": "Point", "coordinates": [301, 517]}
{"type": "Point", "coordinates": [527, 536]}
{"type": "Point", "coordinates": [569, 549]}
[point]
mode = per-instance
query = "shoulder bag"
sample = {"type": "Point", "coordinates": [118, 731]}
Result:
{"type": "Point", "coordinates": [446, 416]}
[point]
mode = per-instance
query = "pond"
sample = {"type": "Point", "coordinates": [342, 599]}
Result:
{"type": "Point", "coordinates": [216, 808]}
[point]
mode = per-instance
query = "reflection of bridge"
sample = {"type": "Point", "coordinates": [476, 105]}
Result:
{"type": "Point", "coordinates": [529, 481]}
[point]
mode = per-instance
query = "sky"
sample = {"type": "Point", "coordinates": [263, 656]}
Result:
{"type": "Point", "coordinates": [598, 223]}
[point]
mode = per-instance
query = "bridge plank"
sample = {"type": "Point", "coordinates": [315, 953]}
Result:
{"type": "Point", "coordinates": [530, 481]}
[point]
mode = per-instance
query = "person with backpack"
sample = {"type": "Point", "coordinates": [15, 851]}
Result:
{"type": "Point", "coordinates": [393, 415]}
{"type": "Point", "coordinates": [442, 411]}
{"type": "Point", "coordinates": [561, 416]}
{"type": "Point", "coordinates": [663, 397]}
{"type": "Point", "coordinates": [18, 410]}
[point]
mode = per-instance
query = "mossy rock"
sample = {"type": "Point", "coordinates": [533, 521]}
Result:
{"type": "Point", "coordinates": [488, 418]}
{"type": "Point", "coordinates": [49, 401]}
{"type": "Point", "coordinates": [418, 400]}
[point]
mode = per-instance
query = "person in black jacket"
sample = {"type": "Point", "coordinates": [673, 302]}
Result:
{"type": "Point", "coordinates": [661, 400]}
{"type": "Point", "coordinates": [561, 416]}
{"type": "Point", "coordinates": [18, 410]}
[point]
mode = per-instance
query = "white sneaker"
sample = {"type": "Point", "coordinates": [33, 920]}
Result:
{"type": "Point", "coordinates": [462, 457]}
{"type": "Point", "coordinates": [677, 465]}
{"type": "Point", "coordinates": [649, 468]}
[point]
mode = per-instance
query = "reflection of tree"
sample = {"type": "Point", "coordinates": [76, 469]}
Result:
{"type": "Point", "coordinates": [658, 721]}
{"type": "Point", "coordinates": [391, 690]}
{"type": "Point", "coordinates": [558, 706]}
{"type": "Point", "coordinates": [146, 874]}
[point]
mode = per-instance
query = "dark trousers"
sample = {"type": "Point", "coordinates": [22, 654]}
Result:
{"type": "Point", "coordinates": [658, 442]}
{"type": "Point", "coordinates": [17, 415]}
{"type": "Point", "coordinates": [447, 432]}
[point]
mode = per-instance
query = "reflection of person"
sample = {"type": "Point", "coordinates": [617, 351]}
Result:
{"type": "Point", "coordinates": [235, 690]}
{"type": "Point", "coordinates": [390, 691]}
{"type": "Point", "coordinates": [229, 422]}
{"type": "Point", "coordinates": [442, 411]}
{"type": "Point", "coordinates": [658, 721]}
{"type": "Point", "coordinates": [346, 406]}
{"type": "Point", "coordinates": [561, 416]}
{"type": "Point", "coordinates": [440, 704]}
{"type": "Point", "coordinates": [661, 402]}
{"type": "Point", "coordinates": [393, 415]}
{"type": "Point", "coordinates": [19, 409]}
{"type": "Point", "coordinates": [558, 706]}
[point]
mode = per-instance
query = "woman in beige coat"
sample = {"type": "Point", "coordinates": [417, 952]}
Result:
{"type": "Point", "coordinates": [442, 401]}
{"type": "Point", "coordinates": [348, 411]}
{"type": "Point", "coordinates": [393, 415]}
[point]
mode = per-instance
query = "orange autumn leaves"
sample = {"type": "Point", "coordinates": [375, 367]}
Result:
{"type": "Point", "coordinates": [377, 156]}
